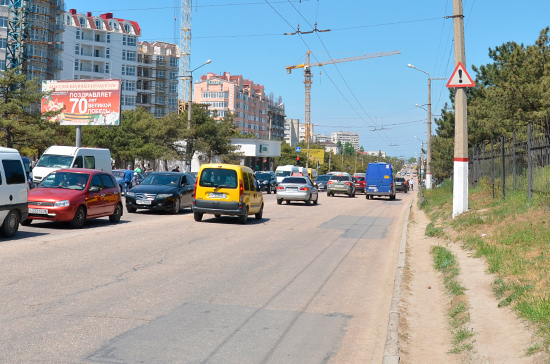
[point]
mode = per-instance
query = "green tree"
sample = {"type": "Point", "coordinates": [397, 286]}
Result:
{"type": "Point", "coordinates": [349, 150]}
{"type": "Point", "coordinates": [21, 122]}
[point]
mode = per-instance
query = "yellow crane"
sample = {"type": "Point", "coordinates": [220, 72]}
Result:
{"type": "Point", "coordinates": [307, 74]}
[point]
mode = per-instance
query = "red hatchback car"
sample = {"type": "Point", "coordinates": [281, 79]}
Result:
{"type": "Point", "coordinates": [75, 195]}
{"type": "Point", "coordinates": [360, 183]}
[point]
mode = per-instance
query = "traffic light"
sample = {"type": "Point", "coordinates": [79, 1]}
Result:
{"type": "Point", "coordinates": [298, 160]}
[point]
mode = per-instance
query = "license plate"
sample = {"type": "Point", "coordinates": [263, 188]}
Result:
{"type": "Point", "coordinates": [292, 189]}
{"type": "Point", "coordinates": [216, 195]}
{"type": "Point", "coordinates": [374, 189]}
{"type": "Point", "coordinates": [38, 211]}
{"type": "Point", "coordinates": [143, 202]}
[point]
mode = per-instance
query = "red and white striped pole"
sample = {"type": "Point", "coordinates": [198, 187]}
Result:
{"type": "Point", "coordinates": [460, 177]}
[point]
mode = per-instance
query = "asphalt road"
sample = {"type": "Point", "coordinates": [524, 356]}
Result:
{"type": "Point", "coordinates": [307, 284]}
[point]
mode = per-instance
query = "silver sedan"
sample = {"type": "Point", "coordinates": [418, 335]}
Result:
{"type": "Point", "coordinates": [297, 189]}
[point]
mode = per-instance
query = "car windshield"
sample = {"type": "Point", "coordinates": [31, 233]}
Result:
{"type": "Point", "coordinates": [118, 174]}
{"type": "Point", "coordinates": [322, 178]}
{"type": "Point", "coordinates": [339, 178]}
{"type": "Point", "coordinates": [216, 177]}
{"type": "Point", "coordinates": [361, 179]}
{"type": "Point", "coordinates": [68, 180]}
{"type": "Point", "coordinates": [297, 180]}
{"type": "Point", "coordinates": [161, 179]}
{"type": "Point", "coordinates": [282, 173]}
{"type": "Point", "coordinates": [55, 161]}
{"type": "Point", "coordinates": [262, 176]}
{"type": "Point", "coordinates": [400, 179]}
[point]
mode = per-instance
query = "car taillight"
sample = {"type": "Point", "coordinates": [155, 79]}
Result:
{"type": "Point", "coordinates": [303, 188]}
{"type": "Point", "coordinates": [241, 190]}
{"type": "Point", "coordinates": [195, 191]}
{"type": "Point", "coordinates": [280, 188]}
{"type": "Point", "coordinates": [348, 184]}
{"type": "Point", "coordinates": [330, 182]}
{"type": "Point", "coordinates": [391, 185]}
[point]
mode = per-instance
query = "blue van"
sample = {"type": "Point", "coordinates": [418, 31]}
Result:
{"type": "Point", "coordinates": [379, 179]}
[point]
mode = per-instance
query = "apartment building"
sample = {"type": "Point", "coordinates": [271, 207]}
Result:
{"type": "Point", "coordinates": [157, 72]}
{"type": "Point", "coordinates": [245, 99]}
{"type": "Point", "coordinates": [45, 28]}
{"type": "Point", "coordinates": [291, 131]}
{"type": "Point", "coordinates": [346, 137]}
{"type": "Point", "coordinates": [101, 47]}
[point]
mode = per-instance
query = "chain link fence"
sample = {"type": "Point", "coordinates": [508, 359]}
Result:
{"type": "Point", "coordinates": [517, 164]}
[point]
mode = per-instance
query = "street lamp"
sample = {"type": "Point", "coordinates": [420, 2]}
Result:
{"type": "Point", "coordinates": [189, 113]}
{"type": "Point", "coordinates": [429, 143]}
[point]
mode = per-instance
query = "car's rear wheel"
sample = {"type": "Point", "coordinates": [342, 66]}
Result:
{"type": "Point", "coordinates": [279, 201]}
{"type": "Point", "coordinates": [308, 201]}
{"type": "Point", "coordinates": [79, 218]}
{"type": "Point", "coordinates": [117, 214]}
{"type": "Point", "coordinates": [316, 200]}
{"type": "Point", "coordinates": [197, 216]}
{"type": "Point", "coordinates": [269, 189]}
{"type": "Point", "coordinates": [243, 218]}
{"type": "Point", "coordinates": [367, 196]}
{"type": "Point", "coordinates": [176, 207]}
{"type": "Point", "coordinates": [10, 226]}
{"type": "Point", "coordinates": [260, 214]}
{"type": "Point", "coordinates": [26, 222]}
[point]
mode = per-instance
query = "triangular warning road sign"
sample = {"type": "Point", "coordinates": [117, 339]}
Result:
{"type": "Point", "coordinates": [460, 78]}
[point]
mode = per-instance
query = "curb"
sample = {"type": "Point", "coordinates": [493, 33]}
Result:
{"type": "Point", "coordinates": [391, 348]}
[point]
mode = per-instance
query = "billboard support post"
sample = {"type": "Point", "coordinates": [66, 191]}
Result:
{"type": "Point", "coordinates": [78, 136]}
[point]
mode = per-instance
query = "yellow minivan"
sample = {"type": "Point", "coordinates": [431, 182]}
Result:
{"type": "Point", "coordinates": [227, 189]}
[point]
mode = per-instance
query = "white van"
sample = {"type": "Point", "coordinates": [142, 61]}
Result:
{"type": "Point", "coordinates": [58, 157]}
{"type": "Point", "coordinates": [14, 206]}
{"type": "Point", "coordinates": [285, 171]}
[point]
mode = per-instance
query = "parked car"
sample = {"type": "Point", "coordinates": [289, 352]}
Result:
{"type": "Point", "coordinates": [28, 171]}
{"type": "Point", "coordinates": [401, 184]}
{"type": "Point", "coordinates": [13, 192]}
{"type": "Point", "coordinates": [119, 175]}
{"type": "Point", "coordinates": [75, 196]}
{"type": "Point", "coordinates": [165, 191]}
{"type": "Point", "coordinates": [227, 189]}
{"type": "Point", "coordinates": [297, 189]}
{"type": "Point", "coordinates": [341, 184]}
{"type": "Point", "coordinates": [360, 183]}
{"type": "Point", "coordinates": [267, 181]}
{"type": "Point", "coordinates": [322, 181]}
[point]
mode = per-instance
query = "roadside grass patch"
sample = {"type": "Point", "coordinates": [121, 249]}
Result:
{"type": "Point", "coordinates": [459, 317]}
{"type": "Point", "coordinates": [432, 231]}
{"type": "Point", "coordinates": [513, 236]}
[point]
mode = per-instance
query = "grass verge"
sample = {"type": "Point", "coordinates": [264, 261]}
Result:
{"type": "Point", "coordinates": [513, 235]}
{"type": "Point", "coordinates": [459, 316]}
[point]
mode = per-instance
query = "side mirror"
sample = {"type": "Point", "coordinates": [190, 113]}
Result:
{"type": "Point", "coordinates": [94, 189]}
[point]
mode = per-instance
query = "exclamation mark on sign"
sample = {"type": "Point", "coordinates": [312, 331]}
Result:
{"type": "Point", "coordinates": [459, 76]}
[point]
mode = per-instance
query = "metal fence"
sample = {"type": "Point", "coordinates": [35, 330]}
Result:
{"type": "Point", "coordinates": [519, 164]}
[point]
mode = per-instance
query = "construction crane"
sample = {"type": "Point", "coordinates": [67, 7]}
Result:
{"type": "Point", "coordinates": [18, 35]}
{"type": "Point", "coordinates": [307, 74]}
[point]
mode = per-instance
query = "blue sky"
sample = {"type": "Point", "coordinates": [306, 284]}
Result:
{"type": "Point", "coordinates": [246, 37]}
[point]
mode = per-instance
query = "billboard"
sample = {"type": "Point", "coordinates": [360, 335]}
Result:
{"type": "Point", "coordinates": [84, 102]}
{"type": "Point", "coordinates": [317, 155]}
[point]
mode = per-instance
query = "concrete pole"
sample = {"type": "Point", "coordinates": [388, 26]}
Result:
{"type": "Point", "coordinates": [429, 141]}
{"type": "Point", "coordinates": [189, 114]}
{"type": "Point", "coordinates": [78, 136]}
{"type": "Point", "coordinates": [269, 112]}
{"type": "Point", "coordinates": [460, 176]}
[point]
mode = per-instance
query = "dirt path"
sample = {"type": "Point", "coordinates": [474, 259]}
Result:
{"type": "Point", "coordinates": [500, 337]}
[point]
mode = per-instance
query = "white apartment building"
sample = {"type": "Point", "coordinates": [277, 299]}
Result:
{"type": "Point", "coordinates": [346, 137]}
{"type": "Point", "coordinates": [291, 131]}
{"type": "Point", "coordinates": [101, 47]}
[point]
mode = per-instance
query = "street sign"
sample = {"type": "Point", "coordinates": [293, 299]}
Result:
{"type": "Point", "coordinates": [298, 149]}
{"type": "Point", "coordinates": [460, 77]}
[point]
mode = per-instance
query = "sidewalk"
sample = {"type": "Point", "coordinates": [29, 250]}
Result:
{"type": "Point", "coordinates": [424, 334]}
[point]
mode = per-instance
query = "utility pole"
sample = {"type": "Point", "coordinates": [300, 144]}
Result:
{"type": "Point", "coordinates": [460, 176]}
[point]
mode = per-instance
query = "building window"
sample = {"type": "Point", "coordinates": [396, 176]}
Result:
{"type": "Point", "coordinates": [161, 74]}
{"type": "Point", "coordinates": [108, 53]}
{"type": "Point", "coordinates": [98, 24]}
{"type": "Point", "coordinates": [78, 34]}
{"type": "Point", "coordinates": [3, 43]}
{"type": "Point", "coordinates": [2, 65]}
{"type": "Point", "coordinates": [173, 88]}
{"type": "Point", "coordinates": [77, 49]}
{"type": "Point", "coordinates": [107, 68]}
{"type": "Point", "coordinates": [108, 37]}
{"type": "Point", "coordinates": [215, 95]}
{"type": "Point", "coordinates": [129, 56]}
{"type": "Point", "coordinates": [3, 21]}
{"type": "Point", "coordinates": [173, 62]}
{"type": "Point", "coordinates": [128, 40]}
{"type": "Point", "coordinates": [76, 64]}
{"type": "Point", "coordinates": [128, 70]}
{"type": "Point", "coordinates": [128, 100]}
